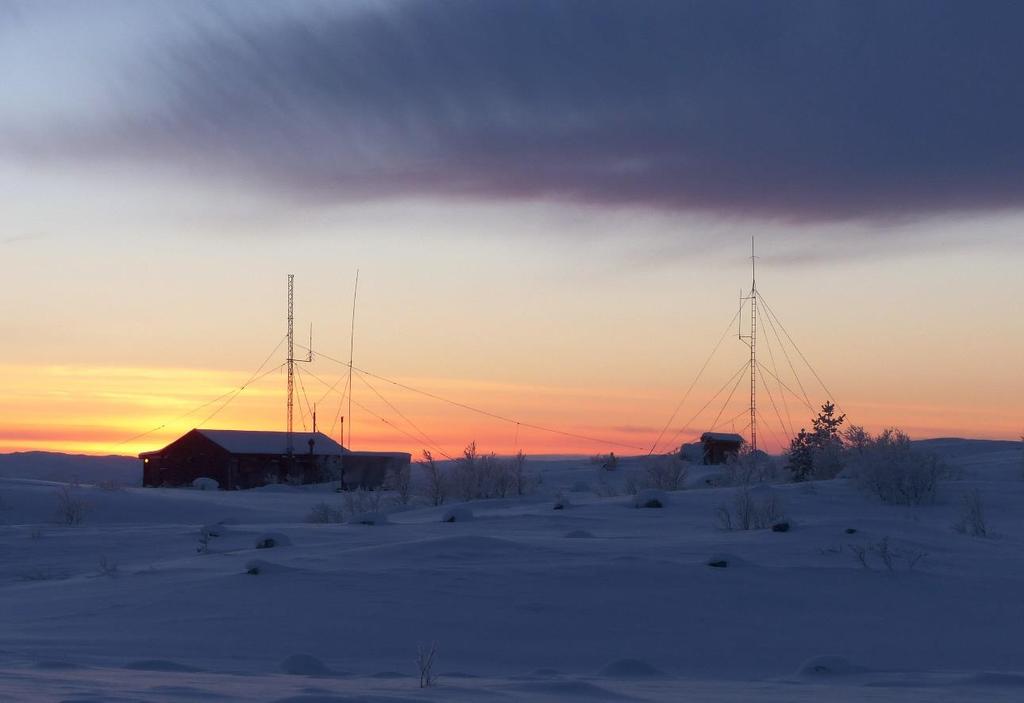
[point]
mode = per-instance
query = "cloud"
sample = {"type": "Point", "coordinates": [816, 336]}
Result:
{"type": "Point", "coordinates": [823, 111]}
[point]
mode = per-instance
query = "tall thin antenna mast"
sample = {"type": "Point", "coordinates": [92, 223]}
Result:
{"type": "Point", "coordinates": [351, 357]}
{"type": "Point", "coordinates": [753, 351]}
{"type": "Point", "coordinates": [291, 357]}
{"type": "Point", "coordinates": [751, 341]}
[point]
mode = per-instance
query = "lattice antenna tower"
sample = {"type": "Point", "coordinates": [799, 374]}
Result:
{"type": "Point", "coordinates": [291, 360]}
{"type": "Point", "coordinates": [751, 341]}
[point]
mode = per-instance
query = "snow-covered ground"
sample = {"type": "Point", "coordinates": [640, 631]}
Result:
{"type": "Point", "coordinates": [600, 601]}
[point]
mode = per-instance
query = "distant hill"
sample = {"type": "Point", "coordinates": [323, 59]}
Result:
{"type": "Point", "coordinates": [954, 447]}
{"type": "Point", "coordinates": [54, 466]}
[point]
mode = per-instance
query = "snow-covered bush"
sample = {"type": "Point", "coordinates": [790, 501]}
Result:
{"type": "Point", "coordinates": [71, 507]}
{"type": "Point", "coordinates": [476, 476]}
{"type": "Point", "coordinates": [972, 516]}
{"type": "Point", "coordinates": [207, 533]}
{"type": "Point", "coordinates": [891, 469]}
{"type": "Point", "coordinates": [322, 513]}
{"type": "Point", "coordinates": [361, 500]}
{"type": "Point", "coordinates": [204, 483]}
{"type": "Point", "coordinates": [747, 468]}
{"type": "Point", "coordinates": [752, 509]}
{"type": "Point", "coordinates": [665, 473]}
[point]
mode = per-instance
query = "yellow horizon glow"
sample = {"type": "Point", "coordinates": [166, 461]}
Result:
{"type": "Point", "coordinates": [99, 410]}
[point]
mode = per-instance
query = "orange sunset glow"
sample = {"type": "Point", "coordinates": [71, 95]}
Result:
{"type": "Point", "coordinates": [532, 248]}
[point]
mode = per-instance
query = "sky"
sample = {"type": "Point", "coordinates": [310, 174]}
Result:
{"type": "Point", "coordinates": [550, 206]}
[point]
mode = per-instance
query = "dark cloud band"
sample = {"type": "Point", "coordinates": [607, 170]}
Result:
{"type": "Point", "coordinates": [797, 110]}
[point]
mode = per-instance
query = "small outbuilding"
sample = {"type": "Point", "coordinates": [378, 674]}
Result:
{"type": "Point", "coordinates": [248, 459]}
{"type": "Point", "coordinates": [720, 447]}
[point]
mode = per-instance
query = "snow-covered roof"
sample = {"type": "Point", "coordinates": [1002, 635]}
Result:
{"type": "Point", "coordinates": [256, 442]}
{"type": "Point", "coordinates": [721, 437]}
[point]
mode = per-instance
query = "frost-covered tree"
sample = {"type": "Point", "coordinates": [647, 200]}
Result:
{"type": "Point", "coordinates": [817, 454]}
{"type": "Point", "coordinates": [436, 486]}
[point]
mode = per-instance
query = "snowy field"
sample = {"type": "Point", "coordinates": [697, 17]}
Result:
{"type": "Point", "coordinates": [599, 601]}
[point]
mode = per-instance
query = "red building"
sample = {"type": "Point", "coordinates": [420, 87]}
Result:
{"type": "Point", "coordinates": [247, 459]}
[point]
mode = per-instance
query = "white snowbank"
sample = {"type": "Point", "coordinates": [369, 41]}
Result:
{"type": "Point", "coordinates": [206, 484]}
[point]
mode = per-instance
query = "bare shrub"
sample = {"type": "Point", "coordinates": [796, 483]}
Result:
{"type": "Point", "coordinates": [750, 511]}
{"type": "Point", "coordinates": [887, 555]}
{"type": "Point", "coordinates": [632, 481]}
{"type": "Point", "coordinates": [400, 481]}
{"type": "Point", "coordinates": [496, 477]}
{"type": "Point", "coordinates": [436, 486]}
{"type": "Point", "coordinates": [608, 462]}
{"type": "Point", "coordinates": [425, 657]}
{"type": "Point", "coordinates": [893, 471]}
{"type": "Point", "coordinates": [972, 516]}
{"type": "Point", "coordinates": [71, 508]}
{"type": "Point", "coordinates": [521, 483]}
{"type": "Point", "coordinates": [106, 567]}
{"type": "Point", "coordinates": [43, 573]}
{"type": "Point", "coordinates": [665, 473]}
{"type": "Point", "coordinates": [466, 479]}
{"type": "Point", "coordinates": [860, 553]}
{"type": "Point", "coordinates": [603, 489]}
{"type": "Point", "coordinates": [322, 513]}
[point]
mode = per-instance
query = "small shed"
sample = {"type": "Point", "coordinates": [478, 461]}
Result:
{"type": "Point", "coordinates": [720, 447]}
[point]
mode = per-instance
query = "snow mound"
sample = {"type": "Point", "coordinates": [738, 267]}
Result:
{"type": "Point", "coordinates": [161, 665]}
{"type": "Point", "coordinates": [829, 666]}
{"type": "Point", "coordinates": [580, 534]}
{"type": "Point", "coordinates": [304, 665]}
{"type": "Point", "coordinates": [993, 679]}
{"type": "Point", "coordinates": [257, 567]}
{"type": "Point", "coordinates": [631, 669]}
{"type": "Point", "coordinates": [650, 498]}
{"type": "Point", "coordinates": [269, 540]}
{"type": "Point", "coordinates": [214, 530]}
{"type": "Point", "coordinates": [460, 514]}
{"type": "Point", "coordinates": [57, 665]}
{"type": "Point", "coordinates": [369, 519]}
{"type": "Point", "coordinates": [569, 690]}
{"type": "Point", "coordinates": [205, 484]}
{"type": "Point", "coordinates": [722, 560]}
